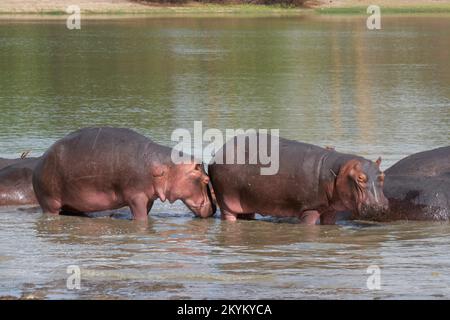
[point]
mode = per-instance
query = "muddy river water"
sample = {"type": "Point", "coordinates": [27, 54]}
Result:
{"type": "Point", "coordinates": [322, 80]}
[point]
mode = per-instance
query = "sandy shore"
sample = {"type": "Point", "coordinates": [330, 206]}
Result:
{"type": "Point", "coordinates": [127, 7]}
{"type": "Point", "coordinates": [37, 6]}
{"type": "Point", "coordinates": [381, 3]}
{"type": "Point", "coordinates": [123, 7]}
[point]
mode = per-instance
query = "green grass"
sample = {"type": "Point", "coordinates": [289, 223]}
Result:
{"type": "Point", "coordinates": [247, 9]}
{"type": "Point", "coordinates": [425, 9]}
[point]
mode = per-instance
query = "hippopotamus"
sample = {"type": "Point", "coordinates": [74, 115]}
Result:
{"type": "Point", "coordinates": [312, 183]}
{"type": "Point", "coordinates": [429, 163]}
{"type": "Point", "coordinates": [418, 187]}
{"type": "Point", "coordinates": [5, 162]}
{"type": "Point", "coordinates": [16, 182]}
{"type": "Point", "coordinates": [104, 168]}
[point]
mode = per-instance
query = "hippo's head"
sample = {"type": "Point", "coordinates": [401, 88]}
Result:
{"type": "Point", "coordinates": [189, 183]}
{"type": "Point", "coordinates": [360, 187]}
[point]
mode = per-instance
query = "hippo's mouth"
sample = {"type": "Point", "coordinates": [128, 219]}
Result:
{"type": "Point", "coordinates": [359, 198]}
{"type": "Point", "coordinates": [207, 203]}
{"type": "Point", "coordinates": [197, 207]}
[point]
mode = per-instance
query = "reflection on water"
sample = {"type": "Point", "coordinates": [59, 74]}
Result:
{"type": "Point", "coordinates": [178, 256]}
{"type": "Point", "coordinates": [326, 81]}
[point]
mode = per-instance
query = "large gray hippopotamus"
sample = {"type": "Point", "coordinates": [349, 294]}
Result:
{"type": "Point", "coordinates": [418, 187]}
{"type": "Point", "coordinates": [97, 169]}
{"type": "Point", "coordinates": [312, 183]}
{"type": "Point", "coordinates": [5, 162]}
{"type": "Point", "coordinates": [16, 181]}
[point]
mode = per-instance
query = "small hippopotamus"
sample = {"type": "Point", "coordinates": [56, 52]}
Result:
{"type": "Point", "coordinates": [97, 169]}
{"type": "Point", "coordinates": [4, 162]}
{"type": "Point", "coordinates": [418, 187]}
{"type": "Point", "coordinates": [16, 183]}
{"type": "Point", "coordinates": [312, 183]}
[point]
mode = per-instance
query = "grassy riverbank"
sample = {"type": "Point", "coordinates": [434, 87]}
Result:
{"type": "Point", "coordinates": [391, 10]}
{"type": "Point", "coordinates": [125, 7]}
{"type": "Point", "coordinates": [119, 8]}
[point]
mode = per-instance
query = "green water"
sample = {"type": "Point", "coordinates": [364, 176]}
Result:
{"type": "Point", "coordinates": [322, 80]}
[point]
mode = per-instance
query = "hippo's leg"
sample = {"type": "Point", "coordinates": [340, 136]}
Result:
{"type": "Point", "coordinates": [140, 207]}
{"type": "Point", "coordinates": [149, 206]}
{"type": "Point", "coordinates": [227, 215]}
{"type": "Point", "coordinates": [51, 206]}
{"type": "Point", "coordinates": [309, 217]}
{"type": "Point", "coordinates": [328, 217]}
{"type": "Point", "coordinates": [246, 216]}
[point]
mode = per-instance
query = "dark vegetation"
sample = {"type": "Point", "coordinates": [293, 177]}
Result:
{"type": "Point", "coordinates": [265, 2]}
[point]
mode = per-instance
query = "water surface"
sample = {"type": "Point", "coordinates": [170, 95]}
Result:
{"type": "Point", "coordinates": [322, 80]}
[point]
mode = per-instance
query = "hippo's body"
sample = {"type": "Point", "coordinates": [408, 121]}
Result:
{"type": "Point", "coordinates": [5, 162]}
{"type": "Point", "coordinates": [311, 182]}
{"type": "Point", "coordinates": [96, 169]}
{"type": "Point", "coordinates": [431, 163]}
{"type": "Point", "coordinates": [16, 182]}
{"type": "Point", "coordinates": [418, 187]}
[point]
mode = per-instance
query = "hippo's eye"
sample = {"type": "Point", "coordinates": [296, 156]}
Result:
{"type": "Point", "coordinates": [362, 178]}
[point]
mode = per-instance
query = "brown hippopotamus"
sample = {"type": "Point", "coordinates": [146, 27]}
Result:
{"type": "Point", "coordinates": [16, 182]}
{"type": "Point", "coordinates": [96, 169]}
{"type": "Point", "coordinates": [5, 162]}
{"type": "Point", "coordinates": [418, 187]}
{"type": "Point", "coordinates": [311, 183]}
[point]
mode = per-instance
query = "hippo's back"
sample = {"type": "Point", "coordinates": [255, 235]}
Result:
{"type": "Point", "coordinates": [96, 157]}
{"type": "Point", "coordinates": [243, 187]}
{"type": "Point", "coordinates": [428, 163]}
{"type": "Point", "coordinates": [16, 183]}
{"type": "Point", "coordinates": [6, 162]}
{"type": "Point", "coordinates": [19, 161]}
{"type": "Point", "coordinates": [92, 140]}
{"type": "Point", "coordinates": [102, 148]}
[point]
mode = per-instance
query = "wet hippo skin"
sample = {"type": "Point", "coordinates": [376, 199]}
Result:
{"type": "Point", "coordinates": [16, 182]}
{"type": "Point", "coordinates": [418, 187]}
{"type": "Point", "coordinates": [96, 169]}
{"type": "Point", "coordinates": [312, 183]}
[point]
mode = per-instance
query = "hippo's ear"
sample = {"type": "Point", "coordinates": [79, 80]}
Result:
{"type": "Point", "coordinates": [196, 168]}
{"type": "Point", "coordinates": [199, 172]}
{"type": "Point", "coordinates": [378, 161]}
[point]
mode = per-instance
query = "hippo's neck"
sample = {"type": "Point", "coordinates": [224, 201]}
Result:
{"type": "Point", "coordinates": [156, 161]}
{"type": "Point", "coordinates": [153, 154]}
{"type": "Point", "coordinates": [331, 164]}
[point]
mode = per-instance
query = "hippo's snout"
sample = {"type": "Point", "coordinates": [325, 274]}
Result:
{"type": "Point", "coordinates": [203, 210]}
{"type": "Point", "coordinates": [207, 210]}
{"type": "Point", "coordinates": [374, 211]}
{"type": "Point", "coordinates": [374, 203]}
{"type": "Point", "coordinates": [208, 206]}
